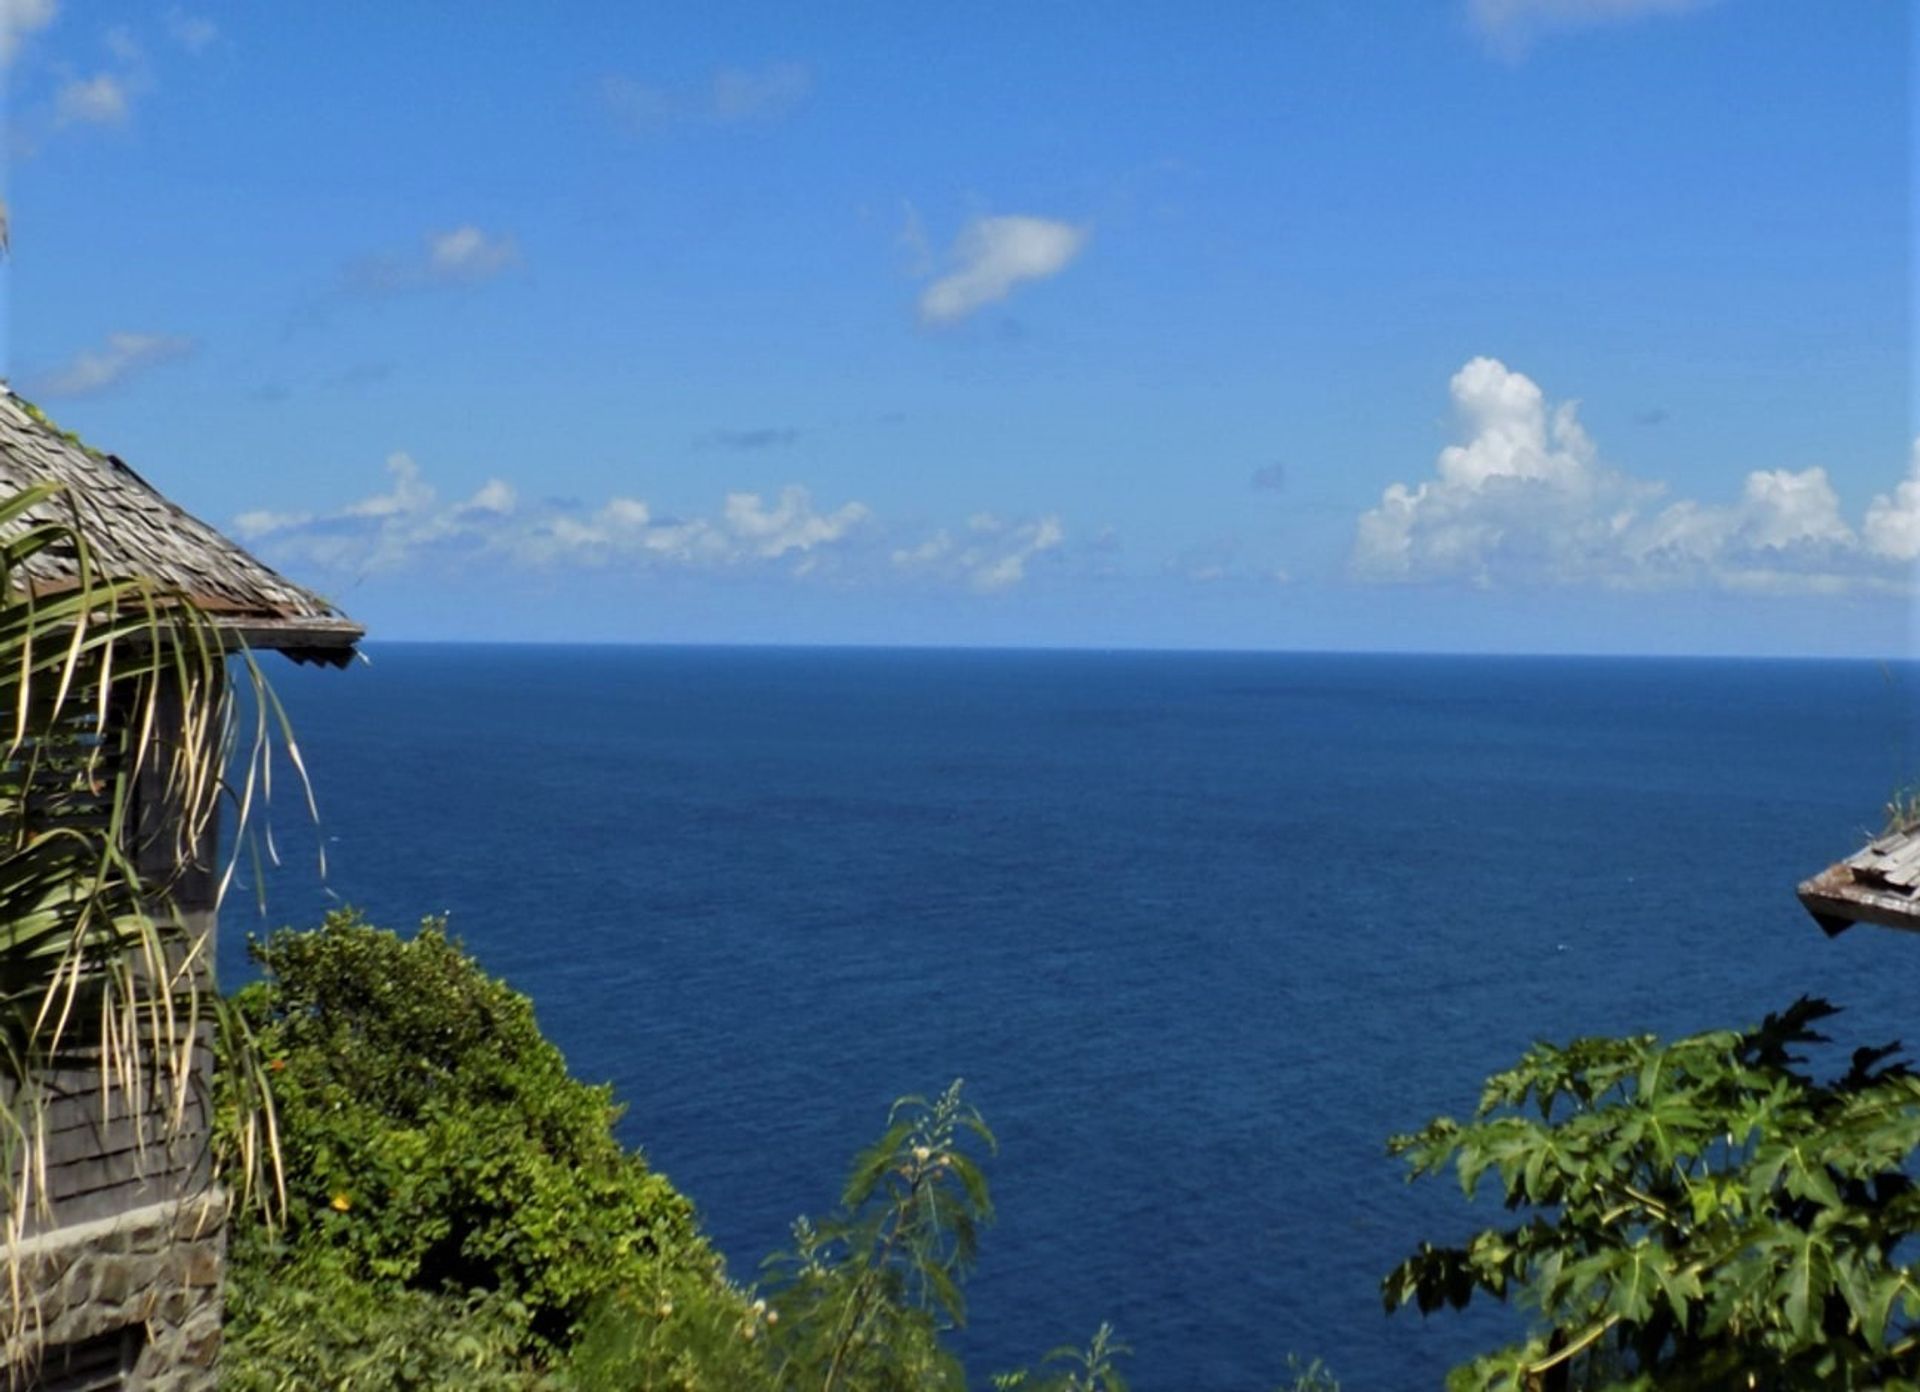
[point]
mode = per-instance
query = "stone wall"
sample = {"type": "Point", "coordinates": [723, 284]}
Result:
{"type": "Point", "coordinates": [141, 1288]}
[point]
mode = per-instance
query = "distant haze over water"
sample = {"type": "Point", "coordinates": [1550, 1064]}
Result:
{"type": "Point", "coordinates": [1200, 930]}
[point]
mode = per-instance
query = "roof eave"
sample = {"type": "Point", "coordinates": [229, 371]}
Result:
{"type": "Point", "coordinates": [1837, 899]}
{"type": "Point", "coordinates": [328, 642]}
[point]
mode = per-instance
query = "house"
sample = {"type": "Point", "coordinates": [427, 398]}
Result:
{"type": "Point", "coordinates": [116, 1253]}
{"type": "Point", "coordinates": [1879, 883]}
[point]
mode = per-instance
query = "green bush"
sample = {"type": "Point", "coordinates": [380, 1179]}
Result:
{"type": "Point", "coordinates": [1700, 1214]}
{"type": "Point", "coordinates": [433, 1141]}
{"type": "Point", "coordinates": [305, 1324]}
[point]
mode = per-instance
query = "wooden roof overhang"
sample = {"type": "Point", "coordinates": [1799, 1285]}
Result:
{"type": "Point", "coordinates": [1878, 884]}
{"type": "Point", "coordinates": [133, 530]}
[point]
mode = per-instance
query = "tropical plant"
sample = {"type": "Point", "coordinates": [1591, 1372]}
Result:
{"type": "Point", "coordinates": [120, 731]}
{"type": "Point", "coordinates": [1700, 1214]}
{"type": "Point", "coordinates": [866, 1293]}
{"type": "Point", "coordinates": [860, 1303]}
{"type": "Point", "coordinates": [1094, 1368]}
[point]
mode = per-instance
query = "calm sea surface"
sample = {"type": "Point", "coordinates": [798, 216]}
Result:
{"type": "Point", "coordinates": [1199, 931]}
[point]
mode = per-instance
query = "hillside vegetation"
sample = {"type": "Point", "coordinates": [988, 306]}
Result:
{"type": "Point", "coordinates": [1699, 1214]}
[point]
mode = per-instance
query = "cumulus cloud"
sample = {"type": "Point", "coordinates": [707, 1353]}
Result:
{"type": "Point", "coordinates": [1526, 499]}
{"type": "Point", "coordinates": [992, 256]}
{"type": "Point", "coordinates": [732, 96]}
{"type": "Point", "coordinates": [989, 556]}
{"type": "Point", "coordinates": [464, 255]}
{"type": "Point", "coordinates": [19, 20]}
{"type": "Point", "coordinates": [1892, 527]}
{"type": "Point", "coordinates": [1510, 27]}
{"type": "Point", "coordinates": [120, 357]}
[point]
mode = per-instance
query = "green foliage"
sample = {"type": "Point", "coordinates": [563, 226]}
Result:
{"type": "Point", "coordinates": [1702, 1214]}
{"type": "Point", "coordinates": [308, 1324]}
{"type": "Point", "coordinates": [433, 1141]}
{"type": "Point", "coordinates": [858, 1305]}
{"type": "Point", "coordinates": [675, 1334]}
{"type": "Point", "coordinates": [1090, 1369]}
{"type": "Point", "coordinates": [866, 1293]}
{"type": "Point", "coordinates": [1311, 1376]}
{"type": "Point", "coordinates": [1903, 809]}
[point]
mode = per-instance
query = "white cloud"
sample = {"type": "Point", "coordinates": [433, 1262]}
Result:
{"type": "Point", "coordinates": [496, 496]}
{"type": "Point", "coordinates": [1510, 27]}
{"type": "Point", "coordinates": [19, 19]}
{"type": "Point", "coordinates": [992, 255]}
{"type": "Point", "coordinates": [1525, 499]}
{"type": "Point", "coordinates": [263, 522]}
{"type": "Point", "coordinates": [467, 253]}
{"type": "Point", "coordinates": [195, 33]}
{"type": "Point", "coordinates": [409, 494]}
{"type": "Point", "coordinates": [992, 557]}
{"type": "Point", "coordinates": [407, 525]}
{"type": "Point", "coordinates": [100, 100]}
{"type": "Point", "coordinates": [791, 524]}
{"type": "Point", "coordinates": [464, 255]}
{"type": "Point", "coordinates": [96, 369]}
{"type": "Point", "coordinates": [733, 96]}
{"type": "Point", "coordinates": [1892, 526]}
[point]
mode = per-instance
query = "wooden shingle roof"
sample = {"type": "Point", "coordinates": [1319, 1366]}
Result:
{"type": "Point", "coordinates": [1878, 884]}
{"type": "Point", "coordinates": [134, 531]}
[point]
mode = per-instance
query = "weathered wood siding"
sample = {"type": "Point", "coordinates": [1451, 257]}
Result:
{"type": "Point", "coordinates": [104, 1150]}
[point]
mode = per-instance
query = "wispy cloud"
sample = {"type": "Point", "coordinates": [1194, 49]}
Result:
{"type": "Point", "coordinates": [120, 357]}
{"type": "Point", "coordinates": [193, 32]}
{"type": "Point", "coordinates": [731, 97]}
{"type": "Point", "coordinates": [100, 100]}
{"type": "Point", "coordinates": [73, 98]}
{"type": "Point", "coordinates": [993, 255]}
{"type": "Point", "coordinates": [407, 525]}
{"type": "Point", "coordinates": [1524, 499]}
{"type": "Point", "coordinates": [1511, 27]}
{"type": "Point", "coordinates": [464, 255]}
{"type": "Point", "coordinates": [19, 21]}
{"type": "Point", "coordinates": [990, 555]}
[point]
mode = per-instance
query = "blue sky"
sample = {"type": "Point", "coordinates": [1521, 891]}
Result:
{"type": "Point", "coordinates": [1511, 325]}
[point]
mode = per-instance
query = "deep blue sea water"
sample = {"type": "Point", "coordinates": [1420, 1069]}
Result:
{"type": "Point", "coordinates": [1199, 930]}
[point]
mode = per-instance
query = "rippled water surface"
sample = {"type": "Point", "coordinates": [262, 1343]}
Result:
{"type": "Point", "coordinates": [1199, 930]}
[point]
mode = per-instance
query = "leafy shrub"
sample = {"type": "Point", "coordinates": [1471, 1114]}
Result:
{"type": "Point", "coordinates": [433, 1141]}
{"type": "Point", "coordinates": [1703, 1214]}
{"type": "Point", "coordinates": [307, 1324]}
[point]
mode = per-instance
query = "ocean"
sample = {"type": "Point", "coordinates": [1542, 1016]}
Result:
{"type": "Point", "coordinates": [1200, 930]}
